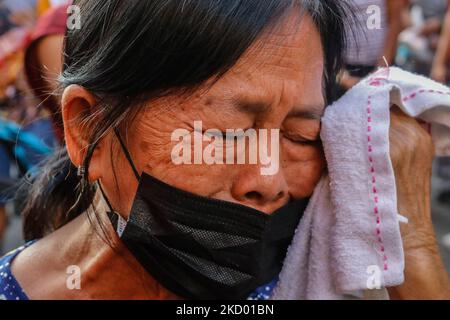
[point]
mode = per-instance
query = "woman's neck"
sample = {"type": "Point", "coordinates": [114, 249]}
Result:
{"type": "Point", "coordinates": [106, 267]}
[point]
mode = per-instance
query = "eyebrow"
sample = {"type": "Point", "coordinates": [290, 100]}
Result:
{"type": "Point", "coordinates": [307, 111]}
{"type": "Point", "coordinates": [251, 107]}
{"type": "Point", "coordinates": [310, 112]}
{"type": "Point", "coordinates": [314, 112]}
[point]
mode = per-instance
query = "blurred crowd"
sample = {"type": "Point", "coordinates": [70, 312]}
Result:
{"type": "Point", "coordinates": [31, 37]}
{"type": "Point", "coordinates": [414, 35]}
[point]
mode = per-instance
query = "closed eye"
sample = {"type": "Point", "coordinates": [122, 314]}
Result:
{"type": "Point", "coordinates": [237, 134]}
{"type": "Point", "coordinates": [302, 140]}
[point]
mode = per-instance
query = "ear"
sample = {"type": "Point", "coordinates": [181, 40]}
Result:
{"type": "Point", "coordinates": [77, 105]}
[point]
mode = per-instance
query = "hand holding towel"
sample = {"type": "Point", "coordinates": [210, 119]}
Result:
{"type": "Point", "coordinates": [349, 238]}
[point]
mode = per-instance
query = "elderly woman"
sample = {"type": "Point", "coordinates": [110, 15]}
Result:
{"type": "Point", "coordinates": [139, 71]}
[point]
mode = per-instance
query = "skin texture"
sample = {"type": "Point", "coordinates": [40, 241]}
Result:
{"type": "Point", "coordinates": [412, 154]}
{"type": "Point", "coordinates": [276, 75]}
{"type": "Point", "coordinates": [285, 76]}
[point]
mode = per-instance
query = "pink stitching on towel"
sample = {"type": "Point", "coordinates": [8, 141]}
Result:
{"type": "Point", "coordinates": [416, 93]}
{"type": "Point", "coordinates": [376, 211]}
{"type": "Point", "coordinates": [376, 82]}
{"type": "Point", "coordinates": [420, 91]}
{"type": "Point", "coordinates": [379, 77]}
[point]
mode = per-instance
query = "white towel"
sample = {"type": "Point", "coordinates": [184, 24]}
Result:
{"type": "Point", "coordinates": [349, 238]}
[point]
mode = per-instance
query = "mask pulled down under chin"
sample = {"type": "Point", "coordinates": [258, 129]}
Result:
{"type": "Point", "coordinates": [202, 248]}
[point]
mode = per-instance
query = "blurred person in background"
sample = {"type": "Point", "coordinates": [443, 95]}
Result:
{"type": "Point", "coordinates": [12, 38]}
{"type": "Point", "coordinates": [440, 67]}
{"type": "Point", "coordinates": [26, 133]}
{"type": "Point", "coordinates": [43, 62]}
{"type": "Point", "coordinates": [419, 40]}
{"type": "Point", "coordinates": [440, 72]}
{"type": "Point", "coordinates": [371, 45]}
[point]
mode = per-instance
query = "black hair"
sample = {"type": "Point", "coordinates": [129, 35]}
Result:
{"type": "Point", "coordinates": [129, 51]}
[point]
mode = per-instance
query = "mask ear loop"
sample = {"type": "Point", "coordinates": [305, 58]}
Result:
{"type": "Point", "coordinates": [118, 222]}
{"type": "Point", "coordinates": [116, 219]}
{"type": "Point", "coordinates": [127, 154]}
{"type": "Point", "coordinates": [105, 197]}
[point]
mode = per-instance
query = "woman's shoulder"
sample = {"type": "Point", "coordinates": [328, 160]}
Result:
{"type": "Point", "coordinates": [41, 268]}
{"type": "Point", "coordinates": [10, 289]}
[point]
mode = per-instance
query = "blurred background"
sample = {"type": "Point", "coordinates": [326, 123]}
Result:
{"type": "Point", "coordinates": [412, 34]}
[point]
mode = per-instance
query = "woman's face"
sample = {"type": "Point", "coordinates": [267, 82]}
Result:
{"type": "Point", "coordinates": [277, 84]}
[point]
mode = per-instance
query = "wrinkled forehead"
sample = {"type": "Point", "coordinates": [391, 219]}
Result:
{"type": "Point", "coordinates": [286, 61]}
{"type": "Point", "coordinates": [291, 50]}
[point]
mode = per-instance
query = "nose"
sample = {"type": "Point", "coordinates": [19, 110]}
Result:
{"type": "Point", "coordinates": [265, 193]}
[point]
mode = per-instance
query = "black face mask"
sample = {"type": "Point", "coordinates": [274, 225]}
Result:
{"type": "Point", "coordinates": [202, 248]}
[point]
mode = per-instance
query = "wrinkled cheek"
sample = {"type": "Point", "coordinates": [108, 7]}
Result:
{"type": "Point", "coordinates": [303, 176]}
